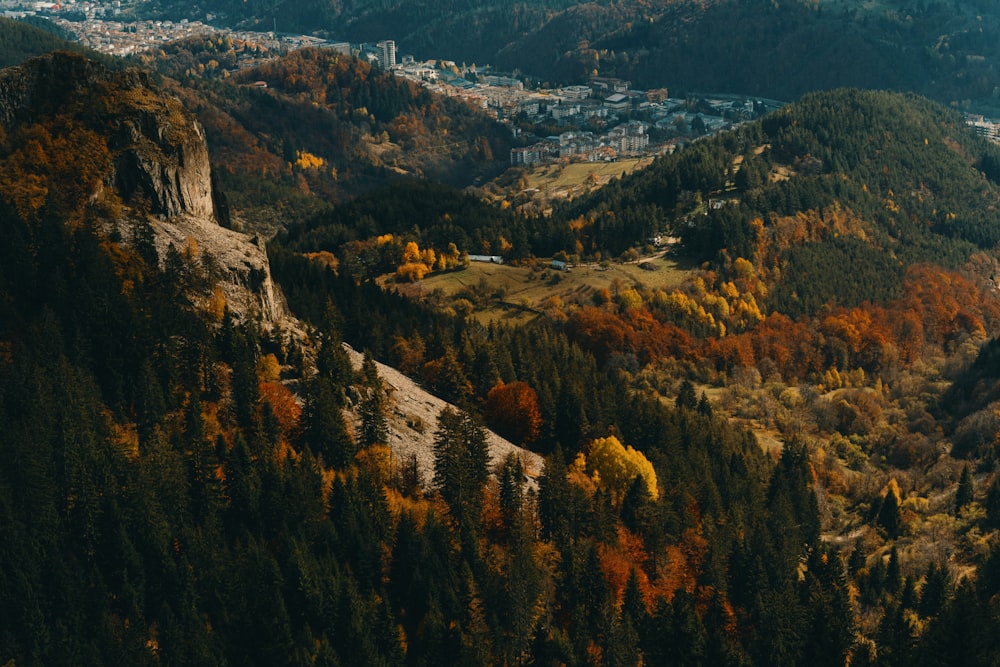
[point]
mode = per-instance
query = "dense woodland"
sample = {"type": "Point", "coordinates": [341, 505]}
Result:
{"type": "Point", "coordinates": [180, 487]}
{"type": "Point", "coordinates": [165, 500]}
{"type": "Point", "coordinates": [847, 268]}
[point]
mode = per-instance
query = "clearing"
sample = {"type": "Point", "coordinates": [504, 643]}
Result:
{"type": "Point", "coordinates": [519, 293]}
{"type": "Point", "coordinates": [554, 181]}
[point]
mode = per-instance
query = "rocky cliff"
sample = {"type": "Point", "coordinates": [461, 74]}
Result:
{"type": "Point", "coordinates": [160, 168]}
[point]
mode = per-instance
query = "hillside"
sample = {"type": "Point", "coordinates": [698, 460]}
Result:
{"type": "Point", "coordinates": [181, 483]}
{"type": "Point", "coordinates": [412, 421]}
{"type": "Point", "coordinates": [946, 51]}
{"type": "Point", "coordinates": [21, 41]}
{"type": "Point", "coordinates": [842, 256]}
{"type": "Point", "coordinates": [312, 127]}
{"type": "Point", "coordinates": [188, 475]}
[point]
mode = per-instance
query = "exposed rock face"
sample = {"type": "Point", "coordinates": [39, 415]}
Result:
{"type": "Point", "coordinates": [159, 147]}
{"type": "Point", "coordinates": [161, 165]}
{"type": "Point", "coordinates": [250, 292]}
{"type": "Point", "coordinates": [177, 177]}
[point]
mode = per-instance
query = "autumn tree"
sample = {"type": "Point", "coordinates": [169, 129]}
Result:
{"type": "Point", "coordinates": [512, 410]}
{"type": "Point", "coordinates": [615, 466]}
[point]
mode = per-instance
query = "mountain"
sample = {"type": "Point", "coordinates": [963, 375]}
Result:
{"type": "Point", "coordinates": [179, 483]}
{"type": "Point", "coordinates": [780, 50]}
{"type": "Point", "coordinates": [85, 143]}
{"type": "Point", "coordinates": [839, 285]}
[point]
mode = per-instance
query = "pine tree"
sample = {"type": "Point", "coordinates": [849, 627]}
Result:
{"type": "Point", "coordinates": [325, 431]}
{"type": "Point", "coordinates": [686, 398]}
{"type": "Point", "coordinates": [511, 490]}
{"type": "Point", "coordinates": [374, 429]}
{"type": "Point", "coordinates": [966, 490]}
{"type": "Point", "coordinates": [461, 460]}
{"type": "Point", "coordinates": [893, 573]}
{"type": "Point", "coordinates": [992, 503]}
{"type": "Point", "coordinates": [890, 516]}
{"type": "Point", "coordinates": [934, 592]}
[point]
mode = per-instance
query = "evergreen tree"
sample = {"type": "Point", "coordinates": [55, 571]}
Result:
{"type": "Point", "coordinates": [966, 490]}
{"type": "Point", "coordinates": [374, 429]}
{"type": "Point", "coordinates": [686, 397]}
{"type": "Point", "coordinates": [890, 514]}
{"type": "Point", "coordinates": [893, 573]}
{"type": "Point", "coordinates": [992, 503]}
{"type": "Point", "coordinates": [461, 460]}
{"type": "Point", "coordinates": [934, 592]}
{"type": "Point", "coordinates": [324, 429]}
{"type": "Point", "coordinates": [511, 490]}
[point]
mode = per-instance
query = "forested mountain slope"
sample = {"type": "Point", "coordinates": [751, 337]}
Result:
{"type": "Point", "coordinates": [945, 50]}
{"type": "Point", "coordinates": [325, 128]}
{"type": "Point", "coordinates": [178, 487]}
{"type": "Point", "coordinates": [845, 250]}
{"type": "Point", "coordinates": [20, 41]}
{"type": "Point", "coordinates": [870, 182]}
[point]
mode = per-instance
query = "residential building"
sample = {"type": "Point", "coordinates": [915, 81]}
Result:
{"type": "Point", "coordinates": [574, 92]}
{"type": "Point", "coordinates": [387, 53]}
{"type": "Point", "coordinates": [617, 102]}
{"type": "Point", "coordinates": [528, 155]}
{"type": "Point", "coordinates": [343, 48]}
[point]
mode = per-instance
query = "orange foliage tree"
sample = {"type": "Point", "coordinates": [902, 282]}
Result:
{"type": "Point", "coordinates": [512, 411]}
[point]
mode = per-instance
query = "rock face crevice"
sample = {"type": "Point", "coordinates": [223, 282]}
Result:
{"type": "Point", "coordinates": [176, 178]}
{"type": "Point", "coordinates": [161, 167]}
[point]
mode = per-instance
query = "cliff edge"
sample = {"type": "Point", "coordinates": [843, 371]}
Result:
{"type": "Point", "coordinates": [157, 167]}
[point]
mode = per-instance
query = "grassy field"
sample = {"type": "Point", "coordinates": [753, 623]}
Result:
{"type": "Point", "coordinates": [572, 180]}
{"type": "Point", "coordinates": [518, 293]}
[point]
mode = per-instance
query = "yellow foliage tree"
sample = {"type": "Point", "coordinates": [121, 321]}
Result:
{"type": "Point", "coordinates": [428, 257]}
{"type": "Point", "coordinates": [629, 298]}
{"type": "Point", "coordinates": [615, 466]}
{"type": "Point", "coordinates": [306, 160]}
{"type": "Point", "coordinates": [411, 252]}
{"type": "Point", "coordinates": [411, 271]}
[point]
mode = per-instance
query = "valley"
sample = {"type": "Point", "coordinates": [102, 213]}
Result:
{"type": "Point", "coordinates": [306, 362]}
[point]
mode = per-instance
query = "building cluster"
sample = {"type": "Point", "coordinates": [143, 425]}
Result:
{"type": "Point", "coordinates": [599, 117]}
{"type": "Point", "coordinates": [631, 138]}
{"type": "Point", "coordinates": [984, 127]}
{"type": "Point", "coordinates": [123, 39]}
{"type": "Point", "coordinates": [20, 8]}
{"type": "Point", "coordinates": [605, 105]}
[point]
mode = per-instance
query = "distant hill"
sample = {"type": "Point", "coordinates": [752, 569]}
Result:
{"type": "Point", "coordinates": [948, 51]}
{"type": "Point", "coordinates": [20, 41]}
{"type": "Point", "coordinates": [834, 195]}
{"type": "Point", "coordinates": [314, 127]}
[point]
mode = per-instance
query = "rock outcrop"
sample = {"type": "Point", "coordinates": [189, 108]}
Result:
{"type": "Point", "coordinates": [161, 169]}
{"type": "Point", "coordinates": [159, 148]}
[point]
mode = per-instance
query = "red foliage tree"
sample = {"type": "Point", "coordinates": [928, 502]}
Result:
{"type": "Point", "coordinates": [512, 411]}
